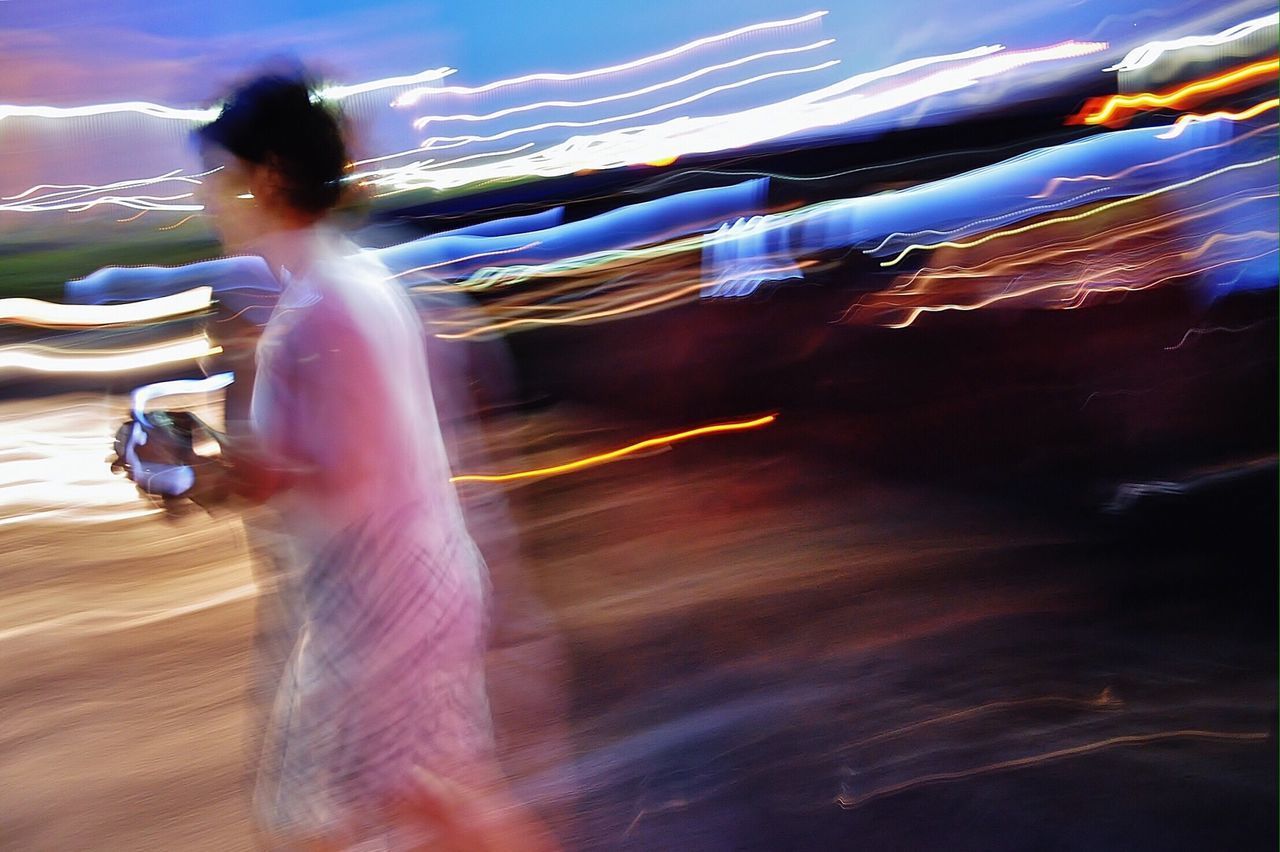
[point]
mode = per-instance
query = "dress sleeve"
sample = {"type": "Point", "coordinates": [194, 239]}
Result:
{"type": "Point", "coordinates": [316, 399]}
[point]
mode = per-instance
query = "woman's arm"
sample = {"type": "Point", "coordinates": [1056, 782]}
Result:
{"type": "Point", "coordinates": [240, 470]}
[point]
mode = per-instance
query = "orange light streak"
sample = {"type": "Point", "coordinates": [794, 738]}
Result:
{"type": "Point", "coordinates": [602, 458]}
{"type": "Point", "coordinates": [1144, 100]}
{"type": "Point", "coordinates": [1104, 700]}
{"type": "Point", "coordinates": [850, 802]}
{"type": "Point", "coordinates": [184, 220]}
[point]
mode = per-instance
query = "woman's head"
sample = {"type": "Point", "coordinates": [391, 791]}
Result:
{"type": "Point", "coordinates": [280, 154]}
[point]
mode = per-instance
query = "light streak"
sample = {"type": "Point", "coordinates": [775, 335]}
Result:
{"type": "Point", "coordinates": [1149, 250]}
{"type": "Point", "coordinates": [1078, 216]}
{"type": "Point", "coordinates": [647, 143]}
{"type": "Point", "coordinates": [74, 188]}
{"type": "Point", "coordinates": [70, 514]}
{"type": "Point", "coordinates": [453, 141]}
{"type": "Point", "coordinates": [132, 202]}
{"type": "Point", "coordinates": [1027, 212]}
{"type": "Point", "coordinates": [96, 622]}
{"type": "Point", "coordinates": [829, 106]}
{"type": "Point", "coordinates": [52, 467]}
{"type": "Point", "coordinates": [147, 108]}
{"type": "Point", "coordinates": [850, 802]}
{"type": "Point", "coordinates": [1043, 254]}
{"type": "Point", "coordinates": [184, 220]}
{"type": "Point", "coordinates": [67, 196]}
{"type": "Point", "coordinates": [858, 80]}
{"type": "Point", "coordinates": [1082, 290]}
{"type": "Point", "coordinates": [39, 359]}
{"type": "Point", "coordinates": [1192, 118]}
{"type": "Point", "coordinates": [1216, 329]}
{"type": "Point", "coordinates": [509, 275]}
{"type": "Point", "coordinates": [340, 92]}
{"type": "Point", "coordinates": [147, 394]}
{"type": "Point", "coordinates": [1200, 87]}
{"type": "Point", "coordinates": [600, 240]}
{"type": "Point", "coordinates": [1084, 293]}
{"type": "Point", "coordinates": [608, 313]}
{"type": "Point", "coordinates": [411, 97]}
{"type": "Point", "coordinates": [1057, 181]}
{"type": "Point", "coordinates": [464, 258]}
{"type": "Point", "coordinates": [1105, 700]}
{"type": "Point", "coordinates": [37, 312]}
{"type": "Point", "coordinates": [422, 121]}
{"type": "Point", "coordinates": [432, 163]}
{"type": "Point", "coordinates": [1019, 213]}
{"type": "Point", "coordinates": [611, 312]}
{"type": "Point", "coordinates": [1147, 54]}
{"type": "Point", "coordinates": [154, 110]}
{"type": "Point", "coordinates": [602, 458]}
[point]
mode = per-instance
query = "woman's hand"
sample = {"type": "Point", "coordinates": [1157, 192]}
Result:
{"type": "Point", "coordinates": [157, 453]}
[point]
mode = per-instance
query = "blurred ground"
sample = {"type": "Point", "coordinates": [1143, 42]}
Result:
{"type": "Point", "coordinates": [768, 650]}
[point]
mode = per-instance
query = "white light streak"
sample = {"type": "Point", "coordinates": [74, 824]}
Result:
{"type": "Point", "coordinates": [147, 394]}
{"type": "Point", "coordinates": [431, 143]}
{"type": "Point", "coordinates": [35, 311]}
{"type": "Point", "coordinates": [832, 105]}
{"type": "Point", "coordinates": [1147, 54]}
{"type": "Point", "coordinates": [205, 114]}
{"type": "Point", "coordinates": [412, 97]}
{"type": "Point", "coordinates": [43, 359]}
{"type": "Point", "coordinates": [421, 122]}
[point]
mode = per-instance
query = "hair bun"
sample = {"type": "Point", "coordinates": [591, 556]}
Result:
{"type": "Point", "coordinates": [279, 119]}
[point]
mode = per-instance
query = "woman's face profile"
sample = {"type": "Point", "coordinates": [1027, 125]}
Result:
{"type": "Point", "coordinates": [227, 195]}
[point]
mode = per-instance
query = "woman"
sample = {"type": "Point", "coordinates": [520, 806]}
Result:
{"type": "Point", "coordinates": [381, 726]}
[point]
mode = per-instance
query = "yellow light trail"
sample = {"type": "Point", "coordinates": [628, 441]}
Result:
{"type": "Point", "coordinates": [184, 220]}
{"type": "Point", "coordinates": [630, 307]}
{"type": "Point", "coordinates": [1199, 87]}
{"type": "Point", "coordinates": [621, 309]}
{"type": "Point", "coordinates": [1184, 121]}
{"type": "Point", "coordinates": [602, 458]}
{"type": "Point", "coordinates": [37, 312]}
{"type": "Point", "coordinates": [1110, 205]}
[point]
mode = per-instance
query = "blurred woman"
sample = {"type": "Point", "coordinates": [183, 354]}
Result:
{"type": "Point", "coordinates": [381, 726]}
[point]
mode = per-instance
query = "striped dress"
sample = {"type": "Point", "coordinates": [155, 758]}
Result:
{"type": "Point", "coordinates": [386, 678]}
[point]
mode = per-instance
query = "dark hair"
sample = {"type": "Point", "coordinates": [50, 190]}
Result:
{"type": "Point", "coordinates": [280, 121]}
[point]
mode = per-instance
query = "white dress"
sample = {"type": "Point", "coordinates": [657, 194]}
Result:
{"type": "Point", "coordinates": [386, 679]}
